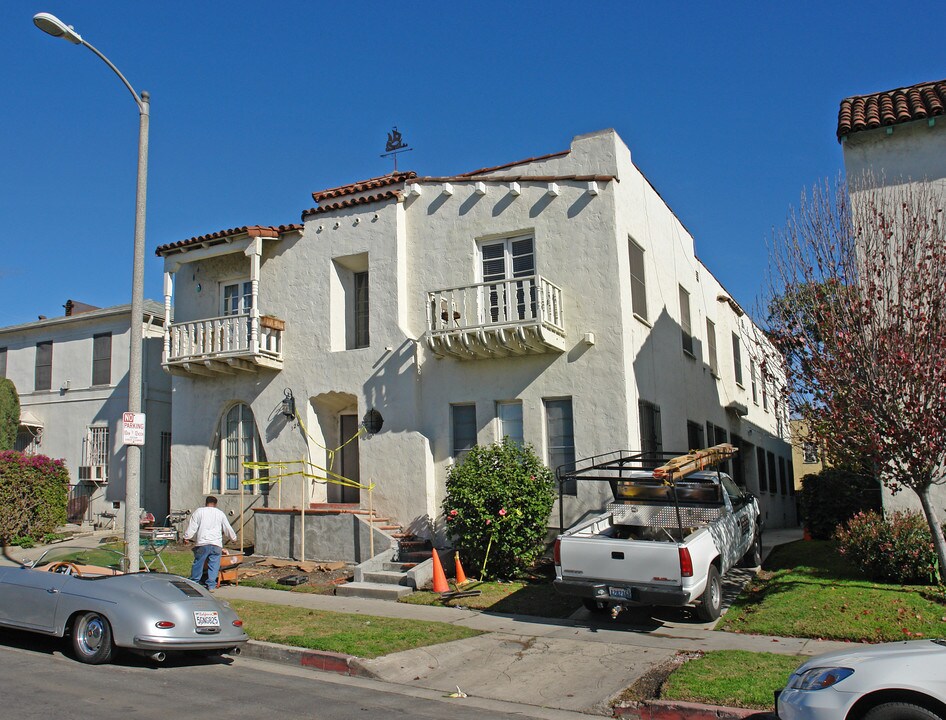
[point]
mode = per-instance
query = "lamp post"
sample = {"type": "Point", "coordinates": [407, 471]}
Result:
{"type": "Point", "coordinates": [54, 26]}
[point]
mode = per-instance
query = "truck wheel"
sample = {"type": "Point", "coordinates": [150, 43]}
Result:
{"type": "Point", "coordinates": [711, 601]}
{"type": "Point", "coordinates": [594, 606]}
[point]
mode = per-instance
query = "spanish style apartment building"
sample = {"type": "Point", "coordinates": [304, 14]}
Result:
{"type": "Point", "coordinates": [556, 300]}
{"type": "Point", "coordinates": [71, 375]}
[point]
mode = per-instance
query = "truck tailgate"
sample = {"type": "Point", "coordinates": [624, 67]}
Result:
{"type": "Point", "coordinates": [620, 561]}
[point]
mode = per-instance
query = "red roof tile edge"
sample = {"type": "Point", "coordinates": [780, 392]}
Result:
{"type": "Point", "coordinates": [481, 171]}
{"type": "Point", "coordinates": [362, 185]}
{"type": "Point", "coordinates": [250, 230]}
{"type": "Point", "coordinates": [351, 202]}
{"type": "Point", "coordinates": [512, 178]}
{"type": "Point", "coordinates": [891, 107]}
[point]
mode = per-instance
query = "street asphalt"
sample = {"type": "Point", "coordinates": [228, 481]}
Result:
{"type": "Point", "coordinates": [576, 664]}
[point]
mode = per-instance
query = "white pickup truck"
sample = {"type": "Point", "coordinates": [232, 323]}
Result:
{"type": "Point", "coordinates": [667, 539]}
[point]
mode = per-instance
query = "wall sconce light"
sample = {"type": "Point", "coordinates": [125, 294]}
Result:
{"type": "Point", "coordinates": [372, 422]}
{"type": "Point", "coordinates": [288, 405]}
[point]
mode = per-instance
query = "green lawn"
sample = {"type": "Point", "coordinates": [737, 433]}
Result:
{"type": "Point", "coordinates": [365, 636]}
{"type": "Point", "coordinates": [806, 590]}
{"type": "Point", "coordinates": [732, 678]}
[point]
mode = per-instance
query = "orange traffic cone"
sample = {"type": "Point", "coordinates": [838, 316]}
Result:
{"type": "Point", "coordinates": [461, 576]}
{"type": "Point", "coordinates": [440, 580]}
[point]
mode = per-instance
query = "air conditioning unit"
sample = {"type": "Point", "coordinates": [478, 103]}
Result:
{"type": "Point", "coordinates": [93, 473]}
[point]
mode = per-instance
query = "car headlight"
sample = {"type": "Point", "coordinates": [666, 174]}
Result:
{"type": "Point", "coordinates": [818, 678]}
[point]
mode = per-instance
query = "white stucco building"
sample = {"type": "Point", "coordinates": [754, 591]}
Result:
{"type": "Point", "coordinates": [556, 300]}
{"type": "Point", "coordinates": [894, 138]}
{"type": "Point", "coordinates": [71, 375]}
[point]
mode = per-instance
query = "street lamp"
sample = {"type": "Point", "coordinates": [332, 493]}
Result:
{"type": "Point", "coordinates": [52, 25]}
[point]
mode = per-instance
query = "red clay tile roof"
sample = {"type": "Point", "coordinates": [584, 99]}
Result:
{"type": "Point", "coordinates": [362, 186]}
{"type": "Point", "coordinates": [351, 202]}
{"type": "Point", "coordinates": [883, 109]}
{"type": "Point", "coordinates": [513, 178]}
{"type": "Point", "coordinates": [220, 235]}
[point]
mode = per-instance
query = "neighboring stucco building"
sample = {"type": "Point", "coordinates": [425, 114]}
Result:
{"type": "Point", "coordinates": [897, 137]}
{"type": "Point", "coordinates": [556, 300]}
{"type": "Point", "coordinates": [71, 374]}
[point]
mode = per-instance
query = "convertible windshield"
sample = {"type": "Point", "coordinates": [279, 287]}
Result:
{"type": "Point", "coordinates": [103, 560]}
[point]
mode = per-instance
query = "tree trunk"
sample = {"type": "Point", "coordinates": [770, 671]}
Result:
{"type": "Point", "coordinates": [936, 530]}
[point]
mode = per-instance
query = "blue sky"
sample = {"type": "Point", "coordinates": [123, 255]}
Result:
{"type": "Point", "coordinates": [729, 109]}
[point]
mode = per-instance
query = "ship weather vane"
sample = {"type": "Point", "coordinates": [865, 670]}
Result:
{"type": "Point", "coordinates": [395, 145]}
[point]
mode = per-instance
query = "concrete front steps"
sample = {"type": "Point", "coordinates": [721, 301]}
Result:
{"type": "Point", "coordinates": [394, 572]}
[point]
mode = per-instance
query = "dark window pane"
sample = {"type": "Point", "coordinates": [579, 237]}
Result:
{"type": "Point", "coordinates": [102, 359]}
{"type": "Point", "coordinates": [44, 366]}
{"type": "Point", "coordinates": [561, 438]}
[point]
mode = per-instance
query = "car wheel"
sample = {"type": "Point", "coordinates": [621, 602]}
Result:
{"type": "Point", "coordinates": [900, 711]}
{"type": "Point", "coordinates": [92, 639]}
{"type": "Point", "coordinates": [753, 556]}
{"type": "Point", "coordinates": [595, 606]}
{"type": "Point", "coordinates": [711, 601]}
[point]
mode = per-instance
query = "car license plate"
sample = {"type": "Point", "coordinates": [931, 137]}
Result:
{"type": "Point", "coordinates": [620, 592]}
{"type": "Point", "coordinates": [207, 618]}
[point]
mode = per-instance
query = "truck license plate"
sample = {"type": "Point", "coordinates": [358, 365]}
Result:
{"type": "Point", "coordinates": [619, 592]}
{"type": "Point", "coordinates": [206, 618]}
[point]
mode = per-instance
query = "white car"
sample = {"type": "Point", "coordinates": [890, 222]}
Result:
{"type": "Point", "coordinates": [891, 681]}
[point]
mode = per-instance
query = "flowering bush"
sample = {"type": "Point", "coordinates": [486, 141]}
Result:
{"type": "Point", "coordinates": [33, 494]}
{"type": "Point", "coordinates": [899, 549]}
{"type": "Point", "coordinates": [497, 507]}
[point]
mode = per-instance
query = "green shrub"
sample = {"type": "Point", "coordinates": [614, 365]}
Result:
{"type": "Point", "coordinates": [832, 496]}
{"type": "Point", "coordinates": [9, 414]}
{"type": "Point", "coordinates": [899, 549]}
{"type": "Point", "coordinates": [497, 508]}
{"type": "Point", "coordinates": [33, 493]}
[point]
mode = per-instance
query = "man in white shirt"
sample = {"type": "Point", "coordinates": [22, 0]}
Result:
{"type": "Point", "coordinates": [209, 524]}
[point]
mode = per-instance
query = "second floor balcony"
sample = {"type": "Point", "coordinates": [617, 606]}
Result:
{"type": "Point", "coordinates": [224, 345]}
{"type": "Point", "coordinates": [500, 318]}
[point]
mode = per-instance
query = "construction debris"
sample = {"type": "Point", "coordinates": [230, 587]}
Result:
{"type": "Point", "coordinates": [303, 566]}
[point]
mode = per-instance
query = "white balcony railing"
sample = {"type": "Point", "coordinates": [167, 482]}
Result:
{"type": "Point", "coordinates": [516, 316]}
{"type": "Point", "coordinates": [219, 343]}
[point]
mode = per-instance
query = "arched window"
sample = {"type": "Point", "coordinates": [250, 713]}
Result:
{"type": "Point", "coordinates": [236, 442]}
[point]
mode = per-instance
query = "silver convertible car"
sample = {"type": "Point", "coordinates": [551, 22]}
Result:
{"type": "Point", "coordinates": [82, 594]}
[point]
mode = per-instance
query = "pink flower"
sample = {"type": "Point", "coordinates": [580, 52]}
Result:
{"type": "Point", "coordinates": [453, 513]}
{"type": "Point", "coordinates": [489, 522]}
{"type": "Point", "coordinates": [502, 512]}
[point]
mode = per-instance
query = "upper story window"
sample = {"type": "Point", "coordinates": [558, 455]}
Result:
{"type": "Point", "coordinates": [463, 421]}
{"type": "Point", "coordinates": [3, 362]}
{"type": "Point", "coordinates": [809, 453]}
{"type": "Point", "coordinates": [737, 358]}
{"type": "Point", "coordinates": [503, 261]}
{"type": "Point", "coordinates": [711, 346]}
{"type": "Point", "coordinates": [360, 309]}
{"type": "Point", "coordinates": [43, 377]}
{"type": "Point", "coordinates": [685, 321]}
{"type": "Point", "coordinates": [651, 436]}
{"type": "Point", "coordinates": [237, 298]}
{"type": "Point", "coordinates": [752, 379]}
{"type": "Point", "coordinates": [509, 415]}
{"type": "Point", "coordinates": [102, 359]}
{"type": "Point", "coordinates": [694, 435]}
{"type": "Point", "coordinates": [638, 281]}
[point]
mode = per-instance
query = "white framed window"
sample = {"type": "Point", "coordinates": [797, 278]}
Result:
{"type": "Point", "coordinates": [752, 379]}
{"type": "Point", "coordinates": [95, 452]}
{"type": "Point", "coordinates": [102, 359]}
{"type": "Point", "coordinates": [236, 298]}
{"type": "Point", "coordinates": [685, 325]}
{"type": "Point", "coordinates": [236, 442]}
{"type": "Point", "coordinates": [509, 416]}
{"type": "Point", "coordinates": [360, 309]}
{"type": "Point", "coordinates": [43, 377]}
{"type": "Point", "coordinates": [560, 438]}
{"type": "Point", "coordinates": [638, 279]}
{"type": "Point", "coordinates": [3, 362]}
{"type": "Point", "coordinates": [711, 347]}
{"type": "Point", "coordinates": [463, 425]}
{"type": "Point", "coordinates": [737, 358]}
{"type": "Point", "coordinates": [507, 267]}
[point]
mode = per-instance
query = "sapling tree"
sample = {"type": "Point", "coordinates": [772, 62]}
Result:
{"type": "Point", "coordinates": [857, 306]}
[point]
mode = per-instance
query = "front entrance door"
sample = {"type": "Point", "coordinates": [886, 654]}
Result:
{"type": "Point", "coordinates": [349, 469]}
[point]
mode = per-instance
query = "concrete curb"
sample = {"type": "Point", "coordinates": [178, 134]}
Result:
{"type": "Point", "coordinates": [312, 659]}
{"type": "Point", "coordinates": [672, 710]}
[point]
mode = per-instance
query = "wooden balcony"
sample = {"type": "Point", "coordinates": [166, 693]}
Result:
{"type": "Point", "coordinates": [224, 345]}
{"type": "Point", "coordinates": [519, 316]}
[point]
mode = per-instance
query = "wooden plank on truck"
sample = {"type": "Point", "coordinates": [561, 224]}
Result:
{"type": "Point", "coordinates": [694, 461]}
